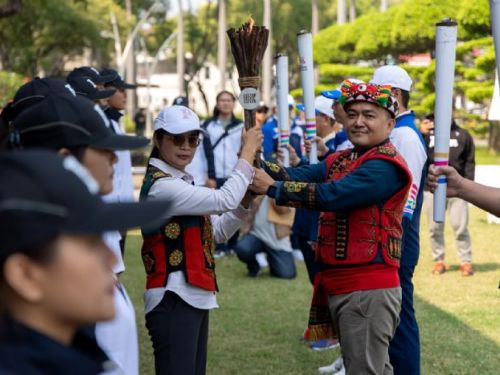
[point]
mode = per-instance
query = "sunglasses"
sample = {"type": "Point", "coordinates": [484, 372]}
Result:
{"type": "Point", "coordinates": [193, 140]}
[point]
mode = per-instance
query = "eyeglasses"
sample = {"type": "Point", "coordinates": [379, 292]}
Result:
{"type": "Point", "coordinates": [193, 140]}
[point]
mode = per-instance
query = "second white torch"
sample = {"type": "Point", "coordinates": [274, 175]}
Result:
{"type": "Point", "coordinates": [446, 41]}
{"type": "Point", "coordinates": [495, 30]}
{"type": "Point", "coordinates": [307, 80]}
{"type": "Point", "coordinates": [282, 103]}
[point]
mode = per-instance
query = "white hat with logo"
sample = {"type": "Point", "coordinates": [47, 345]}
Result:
{"type": "Point", "coordinates": [178, 119]}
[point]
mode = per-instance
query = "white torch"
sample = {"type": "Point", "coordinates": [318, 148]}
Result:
{"type": "Point", "coordinates": [307, 80]}
{"type": "Point", "coordinates": [446, 41]}
{"type": "Point", "coordinates": [495, 29]}
{"type": "Point", "coordinates": [282, 101]}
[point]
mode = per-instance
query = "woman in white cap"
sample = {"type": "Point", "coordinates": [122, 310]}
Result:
{"type": "Point", "coordinates": [178, 255]}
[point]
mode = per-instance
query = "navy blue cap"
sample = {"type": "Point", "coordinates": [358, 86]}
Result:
{"type": "Point", "coordinates": [117, 80]}
{"type": "Point", "coordinates": [181, 100]}
{"type": "Point", "coordinates": [92, 73]}
{"type": "Point", "coordinates": [65, 121]}
{"type": "Point", "coordinates": [33, 92]}
{"type": "Point", "coordinates": [43, 195]}
{"type": "Point", "coordinates": [85, 87]}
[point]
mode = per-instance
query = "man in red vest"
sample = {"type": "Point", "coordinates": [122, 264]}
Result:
{"type": "Point", "coordinates": [362, 193]}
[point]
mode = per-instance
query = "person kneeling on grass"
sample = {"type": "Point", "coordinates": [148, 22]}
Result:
{"type": "Point", "coordinates": [178, 255]}
{"type": "Point", "coordinates": [56, 271]}
{"type": "Point", "coordinates": [361, 193]}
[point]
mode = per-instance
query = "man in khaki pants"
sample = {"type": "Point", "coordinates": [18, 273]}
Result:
{"type": "Point", "coordinates": [462, 158]}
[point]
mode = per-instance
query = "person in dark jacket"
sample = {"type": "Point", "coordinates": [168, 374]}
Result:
{"type": "Point", "coordinates": [56, 271]}
{"type": "Point", "coordinates": [461, 157]}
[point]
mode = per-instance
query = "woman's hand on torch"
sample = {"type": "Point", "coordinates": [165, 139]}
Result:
{"type": "Point", "coordinates": [321, 147]}
{"type": "Point", "coordinates": [261, 182]}
{"type": "Point", "coordinates": [251, 141]}
{"type": "Point", "coordinates": [454, 180]}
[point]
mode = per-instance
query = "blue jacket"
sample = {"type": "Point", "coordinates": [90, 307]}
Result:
{"type": "Point", "coordinates": [270, 143]}
{"type": "Point", "coordinates": [24, 351]}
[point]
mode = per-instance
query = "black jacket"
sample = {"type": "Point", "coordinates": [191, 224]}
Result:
{"type": "Point", "coordinates": [461, 150]}
{"type": "Point", "coordinates": [24, 351]}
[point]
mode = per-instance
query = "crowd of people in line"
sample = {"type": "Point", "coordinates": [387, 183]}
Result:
{"type": "Point", "coordinates": [66, 202]}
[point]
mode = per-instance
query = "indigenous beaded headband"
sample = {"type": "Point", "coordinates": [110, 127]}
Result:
{"type": "Point", "coordinates": [366, 92]}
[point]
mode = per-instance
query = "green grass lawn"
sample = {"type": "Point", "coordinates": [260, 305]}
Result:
{"type": "Point", "coordinates": [257, 327]}
{"type": "Point", "coordinates": [485, 156]}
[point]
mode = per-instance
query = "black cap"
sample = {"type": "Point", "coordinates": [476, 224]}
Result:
{"type": "Point", "coordinates": [117, 80]}
{"type": "Point", "coordinates": [43, 195]}
{"type": "Point", "coordinates": [85, 87]}
{"type": "Point", "coordinates": [181, 100]}
{"type": "Point", "coordinates": [33, 92]}
{"type": "Point", "coordinates": [66, 121]}
{"type": "Point", "coordinates": [92, 73]}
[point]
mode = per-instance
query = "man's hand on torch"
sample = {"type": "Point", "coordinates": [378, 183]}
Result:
{"type": "Point", "coordinates": [321, 147]}
{"type": "Point", "coordinates": [454, 180]}
{"type": "Point", "coordinates": [292, 155]}
{"type": "Point", "coordinates": [261, 182]}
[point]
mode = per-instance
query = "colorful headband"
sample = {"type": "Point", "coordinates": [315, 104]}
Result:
{"type": "Point", "coordinates": [366, 92]}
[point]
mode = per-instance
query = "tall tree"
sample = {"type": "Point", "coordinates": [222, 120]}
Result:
{"type": "Point", "coordinates": [341, 12]}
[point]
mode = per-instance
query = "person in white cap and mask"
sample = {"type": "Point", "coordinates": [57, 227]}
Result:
{"type": "Point", "coordinates": [178, 255]}
{"type": "Point", "coordinates": [404, 350]}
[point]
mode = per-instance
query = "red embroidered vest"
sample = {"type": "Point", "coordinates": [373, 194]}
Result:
{"type": "Point", "coordinates": [354, 237]}
{"type": "Point", "coordinates": [184, 243]}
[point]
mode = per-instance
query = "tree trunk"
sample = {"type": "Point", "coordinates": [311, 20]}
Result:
{"type": "Point", "coordinates": [494, 136]}
{"type": "Point", "coordinates": [267, 63]}
{"type": "Point", "coordinates": [341, 12]}
{"type": "Point", "coordinates": [222, 49]}
{"type": "Point", "coordinates": [180, 51]}
{"type": "Point", "coordinates": [383, 5]}
{"type": "Point", "coordinates": [352, 10]}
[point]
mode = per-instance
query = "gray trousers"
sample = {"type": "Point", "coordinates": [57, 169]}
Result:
{"type": "Point", "coordinates": [366, 321]}
{"type": "Point", "coordinates": [458, 211]}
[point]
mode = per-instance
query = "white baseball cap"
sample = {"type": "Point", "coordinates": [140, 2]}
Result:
{"type": "Point", "coordinates": [392, 75]}
{"type": "Point", "coordinates": [177, 119]}
{"type": "Point", "coordinates": [291, 101]}
{"type": "Point", "coordinates": [321, 105]}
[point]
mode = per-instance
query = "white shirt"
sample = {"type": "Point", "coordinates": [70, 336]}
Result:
{"type": "Point", "coordinates": [408, 144]}
{"type": "Point", "coordinates": [226, 152]}
{"type": "Point", "coordinates": [123, 191]}
{"type": "Point", "coordinates": [266, 231]}
{"type": "Point", "coordinates": [188, 199]}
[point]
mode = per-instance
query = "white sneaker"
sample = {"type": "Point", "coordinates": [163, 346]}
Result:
{"type": "Point", "coordinates": [262, 259]}
{"type": "Point", "coordinates": [297, 254]}
{"type": "Point", "coordinates": [337, 367]}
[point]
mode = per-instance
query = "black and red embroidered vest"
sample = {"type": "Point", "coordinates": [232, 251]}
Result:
{"type": "Point", "coordinates": [184, 243]}
{"type": "Point", "coordinates": [354, 237]}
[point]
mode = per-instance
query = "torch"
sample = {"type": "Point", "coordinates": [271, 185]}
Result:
{"type": "Point", "coordinates": [446, 40]}
{"type": "Point", "coordinates": [495, 29]}
{"type": "Point", "coordinates": [282, 101]}
{"type": "Point", "coordinates": [248, 45]}
{"type": "Point", "coordinates": [307, 80]}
